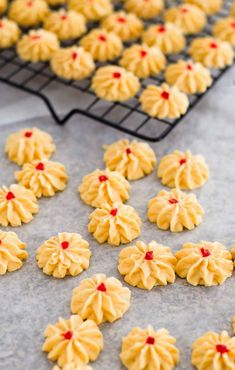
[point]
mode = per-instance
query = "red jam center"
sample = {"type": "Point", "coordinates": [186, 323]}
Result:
{"type": "Point", "coordinates": [149, 256]}
{"type": "Point", "coordinates": [213, 45]}
{"type": "Point", "coordinates": [121, 20]}
{"type": "Point", "coordinates": [150, 340]}
{"type": "Point", "coordinates": [103, 178]}
{"type": "Point", "coordinates": [143, 53]}
{"type": "Point", "coordinates": [183, 161]}
{"type": "Point", "coordinates": [165, 95]}
{"type": "Point", "coordinates": [102, 38]}
{"type": "Point", "coordinates": [101, 287]}
{"type": "Point", "coordinates": [173, 201]}
{"type": "Point", "coordinates": [35, 37]}
{"type": "Point", "coordinates": [128, 151]}
{"type": "Point", "coordinates": [221, 348]}
{"type": "Point", "coordinates": [64, 245]}
{"type": "Point", "coordinates": [28, 134]}
{"type": "Point", "coordinates": [189, 67]}
{"type": "Point", "coordinates": [29, 3]}
{"type": "Point", "coordinates": [233, 25]}
{"type": "Point", "coordinates": [74, 55]}
{"type": "Point", "coordinates": [0, 242]}
{"type": "Point", "coordinates": [205, 252]}
{"type": "Point", "coordinates": [10, 196]}
{"type": "Point", "coordinates": [40, 166]}
{"type": "Point", "coordinates": [63, 17]}
{"type": "Point", "coordinates": [161, 29]}
{"type": "Point", "coordinates": [114, 212]}
{"type": "Point", "coordinates": [117, 75]}
{"type": "Point", "coordinates": [184, 10]}
{"type": "Point", "coordinates": [68, 335]}
{"type": "Point", "coordinates": [1, 24]}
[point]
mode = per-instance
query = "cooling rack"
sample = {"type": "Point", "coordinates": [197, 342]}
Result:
{"type": "Point", "coordinates": [38, 80]}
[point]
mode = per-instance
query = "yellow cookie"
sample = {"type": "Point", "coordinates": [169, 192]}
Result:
{"type": "Point", "coordinates": [9, 33]}
{"type": "Point", "coordinates": [28, 13]}
{"type": "Point", "coordinates": [224, 29]}
{"type": "Point", "coordinates": [12, 252]}
{"type": "Point", "coordinates": [189, 18]}
{"type": "Point", "coordinates": [208, 6]}
{"type": "Point", "coordinates": [93, 10]}
{"type": "Point", "coordinates": [145, 9]}
{"type": "Point", "coordinates": [126, 25]}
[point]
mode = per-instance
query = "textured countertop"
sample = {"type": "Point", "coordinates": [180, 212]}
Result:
{"type": "Point", "coordinates": [29, 300]}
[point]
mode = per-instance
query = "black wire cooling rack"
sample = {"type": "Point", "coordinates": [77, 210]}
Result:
{"type": "Point", "coordinates": [38, 80]}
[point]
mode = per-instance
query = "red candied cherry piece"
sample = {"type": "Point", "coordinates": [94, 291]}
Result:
{"type": "Point", "coordinates": [121, 20]}
{"type": "Point", "coordinates": [0, 242]}
{"type": "Point", "coordinates": [161, 29]}
{"type": "Point", "coordinates": [149, 256]}
{"type": "Point", "coordinates": [173, 201]}
{"type": "Point", "coordinates": [29, 3]}
{"type": "Point", "coordinates": [102, 38]}
{"type": "Point", "coordinates": [189, 67]}
{"type": "Point", "coordinates": [143, 53]}
{"type": "Point", "coordinates": [205, 252]}
{"type": "Point", "coordinates": [63, 17]}
{"type": "Point", "coordinates": [28, 134]}
{"type": "Point", "coordinates": [10, 196]}
{"type": "Point", "coordinates": [233, 24]}
{"type": "Point", "coordinates": [101, 287]}
{"type": "Point", "coordinates": [68, 335]}
{"type": "Point", "coordinates": [165, 95]}
{"type": "Point", "coordinates": [184, 10]}
{"type": "Point", "coordinates": [1, 24]}
{"type": "Point", "coordinates": [117, 75]}
{"type": "Point", "coordinates": [221, 348]}
{"type": "Point", "coordinates": [35, 37]}
{"type": "Point", "coordinates": [74, 55]}
{"type": "Point", "coordinates": [150, 340]}
{"type": "Point", "coordinates": [213, 45]}
{"type": "Point", "coordinates": [128, 151]}
{"type": "Point", "coordinates": [103, 178]}
{"type": "Point", "coordinates": [64, 245]}
{"type": "Point", "coordinates": [40, 166]}
{"type": "Point", "coordinates": [114, 212]}
{"type": "Point", "coordinates": [183, 161]}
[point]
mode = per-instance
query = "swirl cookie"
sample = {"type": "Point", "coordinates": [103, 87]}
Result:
{"type": "Point", "coordinates": [204, 263]}
{"type": "Point", "coordinates": [164, 101]}
{"type": "Point", "coordinates": [147, 265]}
{"type": "Point", "coordinates": [133, 160]}
{"type": "Point", "coordinates": [211, 52]}
{"type": "Point", "coordinates": [73, 340]}
{"type": "Point", "coordinates": [143, 61]}
{"type": "Point", "coordinates": [17, 205]}
{"type": "Point", "coordinates": [118, 225]}
{"type": "Point", "coordinates": [64, 254]}
{"type": "Point", "coordinates": [224, 29]}
{"type": "Point", "coordinates": [65, 24]}
{"type": "Point", "coordinates": [43, 178]}
{"type": "Point", "coordinates": [3, 6]}
{"type": "Point", "coordinates": [12, 252]}
{"type": "Point", "coordinates": [92, 10]}
{"type": "Point", "coordinates": [28, 13]}
{"type": "Point", "coordinates": [168, 37]}
{"type": "Point", "coordinates": [189, 77]}
{"type": "Point", "coordinates": [208, 6]}
{"type": "Point", "coordinates": [189, 18]}
{"type": "Point", "coordinates": [214, 351]}
{"type": "Point", "coordinates": [9, 33]}
{"type": "Point", "coordinates": [28, 145]}
{"type": "Point", "coordinates": [103, 188]}
{"type": "Point", "coordinates": [145, 9]}
{"type": "Point", "coordinates": [149, 349]}
{"type": "Point", "coordinates": [72, 63]}
{"type": "Point", "coordinates": [183, 170]}
{"type": "Point", "coordinates": [126, 25]}
{"type": "Point", "coordinates": [102, 45]}
{"type": "Point", "coordinates": [37, 46]}
{"type": "Point", "coordinates": [175, 210]}
{"type": "Point", "coordinates": [100, 299]}
{"type": "Point", "coordinates": [114, 83]}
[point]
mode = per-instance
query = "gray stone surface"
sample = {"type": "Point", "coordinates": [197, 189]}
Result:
{"type": "Point", "coordinates": [29, 300]}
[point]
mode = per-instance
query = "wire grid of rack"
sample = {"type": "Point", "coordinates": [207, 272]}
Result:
{"type": "Point", "coordinates": [38, 80]}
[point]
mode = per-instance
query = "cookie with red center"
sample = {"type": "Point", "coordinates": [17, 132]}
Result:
{"type": "Point", "coordinates": [9, 33]}
{"type": "Point", "coordinates": [224, 30]}
{"type": "Point", "coordinates": [66, 25]}
{"type": "Point", "coordinates": [63, 338]}
{"type": "Point", "coordinates": [143, 61]}
{"type": "Point", "coordinates": [164, 101]}
{"type": "Point", "coordinates": [114, 83]}
{"type": "Point", "coordinates": [153, 349]}
{"type": "Point", "coordinates": [147, 265]}
{"type": "Point", "coordinates": [183, 170]}
{"type": "Point", "coordinates": [17, 205]}
{"type": "Point", "coordinates": [216, 350]}
{"type": "Point", "coordinates": [28, 13]}
{"type": "Point", "coordinates": [103, 45]}
{"type": "Point", "coordinates": [211, 52]}
{"type": "Point", "coordinates": [205, 263]}
{"type": "Point", "coordinates": [113, 298]}
{"type": "Point", "coordinates": [133, 159]}
{"type": "Point", "coordinates": [64, 254]}
{"type": "Point", "coordinates": [94, 10]}
{"type": "Point", "coordinates": [12, 252]}
{"type": "Point", "coordinates": [44, 178]}
{"type": "Point", "coordinates": [189, 18]}
{"type": "Point", "coordinates": [145, 9]}
{"type": "Point", "coordinates": [102, 188]}
{"type": "Point", "coordinates": [175, 210]}
{"type": "Point", "coordinates": [116, 224]}
{"type": "Point", "coordinates": [126, 25]}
